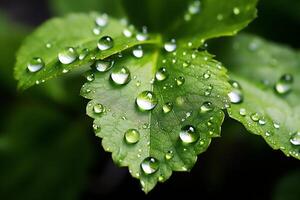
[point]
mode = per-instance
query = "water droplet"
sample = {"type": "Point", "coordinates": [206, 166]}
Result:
{"type": "Point", "coordinates": [295, 139]}
{"type": "Point", "coordinates": [120, 75]}
{"type": "Point", "coordinates": [188, 134]}
{"type": "Point", "coordinates": [167, 107]}
{"type": "Point", "coordinates": [180, 80]}
{"type": "Point", "coordinates": [169, 155]}
{"type": "Point", "coordinates": [138, 52]}
{"type": "Point", "coordinates": [255, 117]}
{"type": "Point", "coordinates": [48, 45]}
{"type": "Point", "coordinates": [146, 100]}
{"type": "Point", "coordinates": [105, 43]}
{"type": "Point", "coordinates": [96, 128]}
{"type": "Point", "coordinates": [68, 55]}
{"type": "Point", "coordinates": [262, 121]}
{"type": "Point", "coordinates": [243, 112]}
{"type": "Point", "coordinates": [268, 133]}
{"type": "Point", "coordinates": [194, 7]}
{"type": "Point", "coordinates": [236, 95]}
{"type": "Point", "coordinates": [138, 83]}
{"type": "Point", "coordinates": [102, 20]}
{"type": "Point", "coordinates": [127, 33]}
{"type": "Point", "coordinates": [276, 125]}
{"type": "Point", "coordinates": [97, 30]}
{"type": "Point", "coordinates": [90, 77]}
{"type": "Point", "coordinates": [206, 107]}
{"type": "Point", "coordinates": [206, 75]}
{"type": "Point", "coordinates": [161, 74]}
{"type": "Point", "coordinates": [170, 46]}
{"type": "Point", "coordinates": [220, 17]}
{"type": "Point", "coordinates": [284, 84]}
{"type": "Point", "coordinates": [141, 36]}
{"type": "Point", "coordinates": [36, 64]}
{"type": "Point", "coordinates": [83, 53]}
{"type": "Point", "coordinates": [98, 108]}
{"type": "Point", "coordinates": [150, 165]}
{"type": "Point", "coordinates": [132, 136]}
{"type": "Point", "coordinates": [103, 65]}
{"type": "Point", "coordinates": [64, 71]}
{"type": "Point", "coordinates": [186, 63]}
{"type": "Point", "coordinates": [161, 179]}
{"type": "Point", "coordinates": [236, 11]}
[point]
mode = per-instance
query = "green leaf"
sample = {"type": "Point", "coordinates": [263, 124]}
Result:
{"type": "Point", "coordinates": [213, 18]}
{"type": "Point", "coordinates": [115, 110]}
{"type": "Point", "coordinates": [39, 154]}
{"type": "Point", "coordinates": [75, 30]}
{"type": "Point", "coordinates": [112, 7]}
{"type": "Point", "coordinates": [259, 66]}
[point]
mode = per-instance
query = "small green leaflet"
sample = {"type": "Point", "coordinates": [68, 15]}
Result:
{"type": "Point", "coordinates": [269, 75]}
{"type": "Point", "coordinates": [173, 122]}
{"type": "Point", "coordinates": [76, 31]}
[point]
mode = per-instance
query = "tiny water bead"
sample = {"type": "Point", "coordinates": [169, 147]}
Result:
{"type": "Point", "coordinates": [284, 84]}
{"type": "Point", "coordinates": [105, 43]}
{"type": "Point", "coordinates": [36, 64]}
{"type": "Point", "coordinates": [243, 112]}
{"type": "Point", "coordinates": [180, 80]}
{"type": "Point", "coordinates": [167, 107]}
{"type": "Point", "coordinates": [68, 55]}
{"type": "Point", "coordinates": [90, 77]}
{"type": "Point", "coordinates": [138, 52]}
{"type": "Point", "coordinates": [102, 20]}
{"type": "Point", "coordinates": [120, 75]}
{"type": "Point", "coordinates": [236, 11]}
{"type": "Point", "coordinates": [104, 65]}
{"type": "Point", "coordinates": [143, 35]}
{"type": "Point", "coordinates": [97, 30]}
{"type": "Point", "coordinates": [188, 134]}
{"type": "Point", "coordinates": [206, 107]}
{"type": "Point", "coordinates": [236, 95]}
{"type": "Point", "coordinates": [150, 165]}
{"type": "Point", "coordinates": [207, 74]}
{"type": "Point", "coordinates": [146, 100]}
{"type": "Point", "coordinates": [132, 136]}
{"type": "Point", "coordinates": [170, 46]}
{"type": "Point", "coordinates": [295, 139]}
{"type": "Point", "coordinates": [161, 74]}
{"type": "Point", "coordinates": [83, 53]}
{"type": "Point", "coordinates": [127, 33]}
{"type": "Point", "coordinates": [276, 125]}
{"type": "Point", "coordinates": [194, 7]}
{"type": "Point", "coordinates": [169, 155]}
{"type": "Point", "coordinates": [98, 108]}
{"type": "Point", "coordinates": [255, 117]}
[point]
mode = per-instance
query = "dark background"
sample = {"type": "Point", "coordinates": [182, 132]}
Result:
{"type": "Point", "coordinates": [34, 164]}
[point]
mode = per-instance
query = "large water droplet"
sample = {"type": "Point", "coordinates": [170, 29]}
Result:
{"type": "Point", "coordinates": [103, 66]}
{"type": "Point", "coordinates": [295, 139]}
{"type": "Point", "coordinates": [102, 20]}
{"type": "Point", "coordinates": [150, 165]}
{"type": "Point", "coordinates": [180, 80]}
{"type": "Point", "coordinates": [36, 64]}
{"type": "Point", "coordinates": [236, 95]}
{"type": "Point", "coordinates": [132, 136]}
{"type": "Point", "coordinates": [170, 46]}
{"type": "Point", "coordinates": [188, 134]}
{"type": "Point", "coordinates": [284, 84]}
{"type": "Point", "coordinates": [105, 43]}
{"type": "Point", "coordinates": [138, 52]}
{"type": "Point", "coordinates": [161, 74]}
{"type": "Point", "coordinates": [98, 108]}
{"type": "Point", "coordinates": [120, 75]}
{"type": "Point", "coordinates": [68, 55]}
{"type": "Point", "coordinates": [146, 100]}
{"type": "Point", "coordinates": [206, 107]}
{"type": "Point", "coordinates": [167, 107]}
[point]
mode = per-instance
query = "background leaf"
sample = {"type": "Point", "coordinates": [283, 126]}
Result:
{"type": "Point", "coordinates": [182, 102]}
{"type": "Point", "coordinates": [259, 66]}
{"type": "Point", "coordinates": [75, 30]}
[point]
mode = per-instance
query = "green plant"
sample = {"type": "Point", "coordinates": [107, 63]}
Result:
{"type": "Point", "coordinates": [157, 96]}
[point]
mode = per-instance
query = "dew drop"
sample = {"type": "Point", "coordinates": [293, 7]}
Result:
{"type": "Point", "coordinates": [243, 112]}
{"type": "Point", "coordinates": [138, 52]}
{"type": "Point", "coordinates": [167, 107]}
{"type": "Point", "coordinates": [35, 65]}
{"type": "Point", "coordinates": [169, 155]}
{"type": "Point", "coordinates": [150, 165]}
{"type": "Point", "coordinates": [284, 84]}
{"type": "Point", "coordinates": [194, 7]}
{"type": "Point", "coordinates": [98, 108]}
{"type": "Point", "coordinates": [295, 139]}
{"type": "Point", "coordinates": [127, 33]}
{"type": "Point", "coordinates": [97, 30]}
{"type": "Point", "coordinates": [83, 53]}
{"type": "Point", "coordinates": [206, 107]}
{"type": "Point", "coordinates": [188, 134]}
{"type": "Point", "coordinates": [170, 46]}
{"type": "Point", "coordinates": [276, 125]}
{"type": "Point", "coordinates": [90, 77]}
{"type": "Point", "coordinates": [268, 133]}
{"type": "Point", "coordinates": [103, 65]}
{"type": "Point", "coordinates": [143, 35]}
{"type": "Point", "coordinates": [206, 75]}
{"type": "Point", "coordinates": [255, 117]}
{"type": "Point", "coordinates": [120, 75]}
{"type": "Point", "coordinates": [180, 80]}
{"type": "Point", "coordinates": [132, 136]}
{"type": "Point", "coordinates": [146, 100]}
{"type": "Point", "coordinates": [102, 20]}
{"type": "Point", "coordinates": [236, 95]}
{"type": "Point", "coordinates": [161, 74]}
{"type": "Point", "coordinates": [236, 11]}
{"type": "Point", "coordinates": [105, 43]}
{"type": "Point", "coordinates": [262, 121]}
{"type": "Point", "coordinates": [67, 56]}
